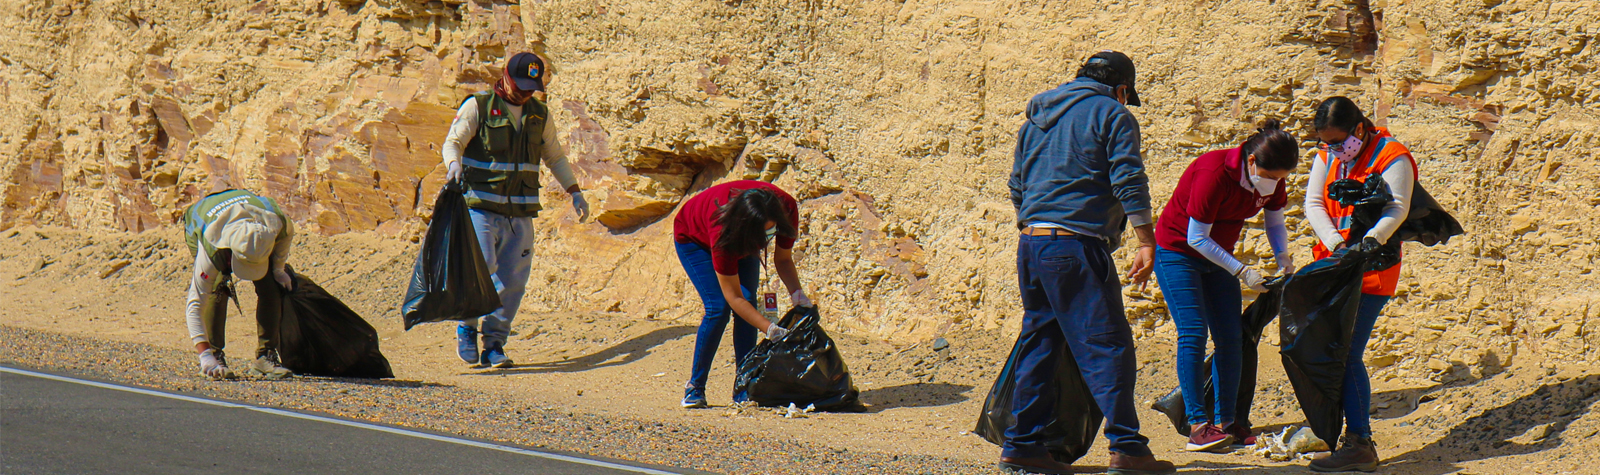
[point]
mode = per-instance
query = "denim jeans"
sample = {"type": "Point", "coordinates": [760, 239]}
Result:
{"type": "Point", "coordinates": [696, 260]}
{"type": "Point", "coordinates": [1357, 393]}
{"type": "Point", "coordinates": [1203, 296]}
{"type": "Point", "coordinates": [1072, 300]}
{"type": "Point", "coordinates": [507, 245]}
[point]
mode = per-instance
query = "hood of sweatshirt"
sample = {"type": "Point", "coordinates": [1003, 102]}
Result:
{"type": "Point", "coordinates": [1048, 107]}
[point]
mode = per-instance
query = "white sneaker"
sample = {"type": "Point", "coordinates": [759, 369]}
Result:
{"type": "Point", "coordinates": [214, 365]}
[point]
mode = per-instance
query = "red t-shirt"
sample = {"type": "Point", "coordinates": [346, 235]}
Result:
{"type": "Point", "coordinates": [697, 221]}
{"type": "Point", "coordinates": [1209, 192]}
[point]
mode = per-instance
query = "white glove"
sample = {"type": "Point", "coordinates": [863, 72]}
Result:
{"type": "Point", "coordinates": [775, 332]}
{"type": "Point", "coordinates": [452, 170]}
{"type": "Point", "coordinates": [799, 299]}
{"type": "Point", "coordinates": [1252, 279]}
{"type": "Point", "coordinates": [580, 205]}
{"type": "Point", "coordinates": [283, 279]}
{"type": "Point", "coordinates": [1285, 264]}
{"type": "Point", "coordinates": [213, 366]}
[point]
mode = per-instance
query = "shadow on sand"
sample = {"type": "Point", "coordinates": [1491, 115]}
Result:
{"type": "Point", "coordinates": [617, 355]}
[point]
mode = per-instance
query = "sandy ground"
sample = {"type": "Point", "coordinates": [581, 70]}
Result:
{"type": "Point", "coordinates": [609, 372]}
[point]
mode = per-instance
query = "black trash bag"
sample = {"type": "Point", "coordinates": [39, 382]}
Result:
{"type": "Point", "coordinates": [1070, 434]}
{"type": "Point", "coordinates": [450, 280]}
{"type": "Point", "coordinates": [803, 368]}
{"type": "Point", "coordinates": [1427, 222]}
{"type": "Point", "coordinates": [319, 335]}
{"type": "Point", "coordinates": [1316, 320]}
{"type": "Point", "coordinates": [1255, 319]}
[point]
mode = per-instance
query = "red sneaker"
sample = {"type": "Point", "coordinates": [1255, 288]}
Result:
{"type": "Point", "coordinates": [1241, 435]}
{"type": "Point", "coordinates": [1208, 438]}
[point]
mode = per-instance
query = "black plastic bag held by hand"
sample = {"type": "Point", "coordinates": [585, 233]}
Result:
{"type": "Point", "coordinates": [1077, 419]}
{"type": "Point", "coordinates": [803, 368]}
{"type": "Point", "coordinates": [1255, 319]}
{"type": "Point", "coordinates": [318, 334]}
{"type": "Point", "coordinates": [1315, 325]}
{"type": "Point", "coordinates": [450, 280]}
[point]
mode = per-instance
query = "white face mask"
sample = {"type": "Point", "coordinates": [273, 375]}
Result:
{"type": "Point", "coordinates": [1347, 150]}
{"type": "Point", "coordinates": [1264, 186]}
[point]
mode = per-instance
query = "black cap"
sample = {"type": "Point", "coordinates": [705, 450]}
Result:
{"type": "Point", "coordinates": [1124, 68]}
{"type": "Point", "coordinates": [526, 70]}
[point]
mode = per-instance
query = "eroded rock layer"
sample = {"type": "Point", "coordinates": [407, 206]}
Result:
{"type": "Point", "coordinates": [893, 121]}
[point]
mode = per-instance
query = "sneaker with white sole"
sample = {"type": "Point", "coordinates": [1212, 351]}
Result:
{"type": "Point", "coordinates": [467, 344]}
{"type": "Point", "coordinates": [694, 398]}
{"type": "Point", "coordinates": [494, 355]}
{"type": "Point", "coordinates": [267, 366]}
{"type": "Point", "coordinates": [1208, 438]}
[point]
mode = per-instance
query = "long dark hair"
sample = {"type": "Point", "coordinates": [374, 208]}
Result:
{"type": "Point", "coordinates": [1274, 149]}
{"type": "Point", "coordinates": [744, 221]}
{"type": "Point", "coordinates": [1340, 113]}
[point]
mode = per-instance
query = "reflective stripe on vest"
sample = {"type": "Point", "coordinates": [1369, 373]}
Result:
{"type": "Point", "coordinates": [500, 165]}
{"type": "Point", "coordinates": [1384, 154]}
{"type": "Point", "coordinates": [203, 212]}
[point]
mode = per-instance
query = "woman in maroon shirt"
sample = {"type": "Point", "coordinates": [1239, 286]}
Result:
{"type": "Point", "coordinates": [720, 234]}
{"type": "Point", "coordinates": [1200, 278]}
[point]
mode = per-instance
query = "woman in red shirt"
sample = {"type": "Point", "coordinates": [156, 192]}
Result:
{"type": "Point", "coordinates": [1200, 278]}
{"type": "Point", "coordinates": [720, 234]}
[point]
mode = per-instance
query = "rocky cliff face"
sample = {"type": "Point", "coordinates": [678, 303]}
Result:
{"type": "Point", "coordinates": [893, 121]}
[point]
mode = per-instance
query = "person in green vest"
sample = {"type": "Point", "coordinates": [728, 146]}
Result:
{"type": "Point", "coordinates": [236, 232]}
{"type": "Point", "coordinates": [494, 148]}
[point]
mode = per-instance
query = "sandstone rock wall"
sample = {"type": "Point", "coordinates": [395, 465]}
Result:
{"type": "Point", "coordinates": [893, 121]}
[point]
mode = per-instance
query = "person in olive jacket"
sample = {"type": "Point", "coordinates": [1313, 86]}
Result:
{"type": "Point", "coordinates": [494, 148]}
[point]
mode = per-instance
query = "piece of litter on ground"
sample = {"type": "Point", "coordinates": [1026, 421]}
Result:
{"type": "Point", "coordinates": [796, 412]}
{"type": "Point", "coordinates": [657, 375]}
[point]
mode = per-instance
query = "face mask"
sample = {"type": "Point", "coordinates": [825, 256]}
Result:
{"type": "Point", "coordinates": [1264, 186]}
{"type": "Point", "coordinates": [1346, 150]}
{"type": "Point", "coordinates": [771, 233]}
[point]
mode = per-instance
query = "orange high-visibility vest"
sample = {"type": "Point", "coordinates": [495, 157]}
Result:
{"type": "Point", "coordinates": [1384, 151]}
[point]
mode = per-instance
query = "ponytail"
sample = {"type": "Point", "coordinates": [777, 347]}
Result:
{"type": "Point", "coordinates": [1274, 148]}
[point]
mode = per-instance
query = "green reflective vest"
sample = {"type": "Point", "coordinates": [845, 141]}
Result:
{"type": "Point", "coordinates": [501, 164]}
{"type": "Point", "coordinates": [203, 212]}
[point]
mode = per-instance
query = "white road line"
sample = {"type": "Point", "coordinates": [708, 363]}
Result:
{"type": "Point", "coordinates": [343, 422]}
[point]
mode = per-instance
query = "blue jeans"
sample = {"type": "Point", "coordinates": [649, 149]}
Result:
{"type": "Point", "coordinates": [507, 245]}
{"type": "Point", "coordinates": [696, 260]}
{"type": "Point", "coordinates": [1071, 299]}
{"type": "Point", "coordinates": [1357, 393]}
{"type": "Point", "coordinates": [1203, 296]}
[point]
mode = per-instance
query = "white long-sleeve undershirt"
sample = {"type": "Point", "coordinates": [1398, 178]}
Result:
{"type": "Point", "coordinates": [1400, 177]}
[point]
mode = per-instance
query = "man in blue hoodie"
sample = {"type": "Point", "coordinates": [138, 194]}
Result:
{"type": "Point", "coordinates": [1077, 182]}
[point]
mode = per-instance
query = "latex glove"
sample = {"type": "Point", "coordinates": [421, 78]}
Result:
{"type": "Point", "coordinates": [213, 366]}
{"type": "Point", "coordinates": [1253, 280]}
{"type": "Point", "coordinates": [580, 205]}
{"type": "Point", "coordinates": [283, 279]}
{"type": "Point", "coordinates": [799, 299]}
{"type": "Point", "coordinates": [452, 171]}
{"type": "Point", "coordinates": [1368, 245]}
{"type": "Point", "coordinates": [775, 332]}
{"type": "Point", "coordinates": [1285, 264]}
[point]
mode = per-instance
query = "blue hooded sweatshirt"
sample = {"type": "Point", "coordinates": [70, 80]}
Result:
{"type": "Point", "coordinates": [1078, 165]}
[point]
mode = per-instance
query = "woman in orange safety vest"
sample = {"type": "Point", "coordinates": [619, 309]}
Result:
{"type": "Point", "coordinates": [1352, 147]}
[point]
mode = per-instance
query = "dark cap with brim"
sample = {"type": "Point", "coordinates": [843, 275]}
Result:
{"type": "Point", "coordinates": [1124, 67]}
{"type": "Point", "coordinates": [526, 70]}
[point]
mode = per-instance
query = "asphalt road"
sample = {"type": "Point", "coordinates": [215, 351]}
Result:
{"type": "Point", "coordinates": [75, 426]}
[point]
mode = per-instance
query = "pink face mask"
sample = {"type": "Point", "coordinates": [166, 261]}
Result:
{"type": "Point", "coordinates": [1346, 150]}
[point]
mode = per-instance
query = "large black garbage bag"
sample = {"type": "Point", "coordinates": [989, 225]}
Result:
{"type": "Point", "coordinates": [318, 334]}
{"type": "Point", "coordinates": [1077, 419]}
{"type": "Point", "coordinates": [450, 280]}
{"type": "Point", "coordinates": [1426, 222]}
{"type": "Point", "coordinates": [803, 368]}
{"type": "Point", "coordinates": [1255, 319]}
{"type": "Point", "coordinates": [1315, 324]}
